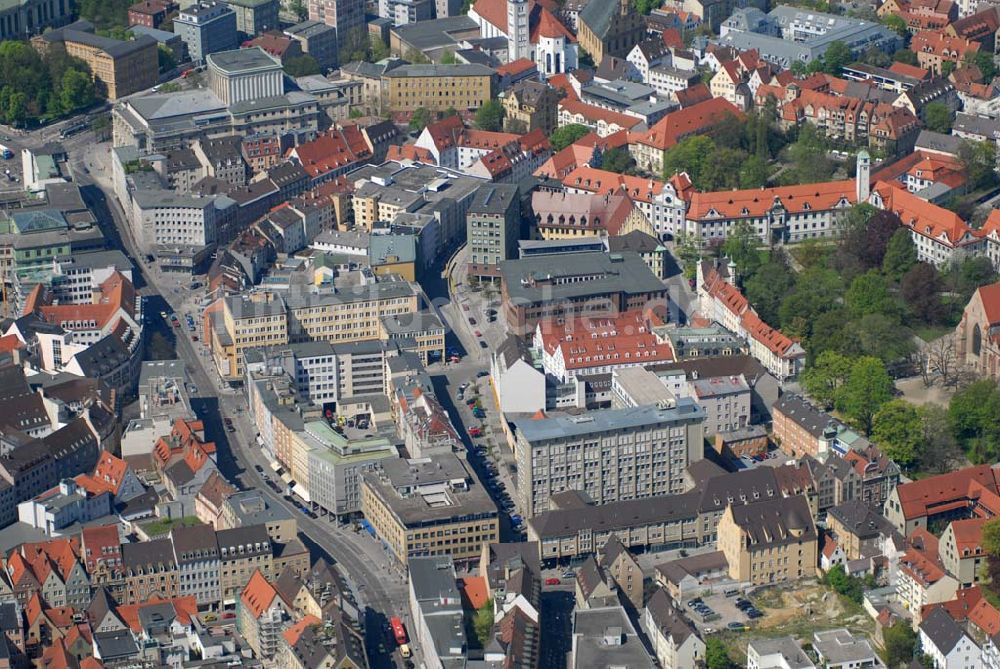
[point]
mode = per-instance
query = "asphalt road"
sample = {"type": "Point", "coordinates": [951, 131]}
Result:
{"type": "Point", "coordinates": [380, 591]}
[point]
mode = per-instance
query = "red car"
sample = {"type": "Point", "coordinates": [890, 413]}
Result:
{"type": "Point", "coordinates": [478, 333]}
{"type": "Point", "coordinates": [475, 432]}
{"type": "Point", "coordinates": [552, 581]}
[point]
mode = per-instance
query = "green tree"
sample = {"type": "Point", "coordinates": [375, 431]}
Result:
{"type": "Point", "coordinates": [490, 116]}
{"type": "Point", "coordinates": [301, 66]}
{"type": "Point", "coordinates": [77, 91]}
{"type": "Point", "coordinates": [449, 58]}
{"type": "Point", "coordinates": [896, 23]}
{"type": "Point", "coordinates": [972, 414]}
{"type": "Point", "coordinates": [16, 110]}
{"type": "Point", "coordinates": [937, 116]}
{"type": "Point", "coordinates": [420, 119]}
{"type": "Point", "coordinates": [900, 254]}
{"type": "Point", "coordinates": [991, 537]}
{"type": "Point", "coordinates": [979, 160]}
{"type": "Point", "coordinates": [905, 56]}
{"type": "Point", "coordinates": [716, 655]}
{"type": "Point", "coordinates": [754, 172]}
{"type": "Point", "coordinates": [694, 156]}
{"type": "Point", "coordinates": [880, 336]}
{"type": "Point", "coordinates": [299, 9]}
{"type": "Point", "coordinates": [378, 48]}
{"type": "Point", "coordinates": [868, 387]}
{"type": "Point", "coordinates": [104, 13]}
{"type": "Point", "coordinates": [869, 294]}
{"type": "Point", "coordinates": [920, 289]}
{"type": "Point", "coordinates": [767, 287]}
{"type": "Point", "coordinates": [809, 155]}
{"type": "Point", "coordinates": [900, 643]}
{"type": "Point", "coordinates": [898, 430]}
{"type": "Point", "coordinates": [816, 292]}
{"type": "Point", "coordinates": [939, 450]}
{"type": "Point", "coordinates": [836, 57]}
{"type": "Point", "coordinates": [824, 378]}
{"type": "Point", "coordinates": [617, 160]}
{"type": "Point", "coordinates": [741, 247]}
{"type": "Point", "coordinates": [645, 6]}
{"type": "Point", "coordinates": [567, 135]}
{"type": "Point", "coordinates": [165, 58]}
{"type": "Point", "coordinates": [483, 623]}
{"type": "Point", "coordinates": [798, 68]}
{"type": "Point", "coordinates": [984, 61]}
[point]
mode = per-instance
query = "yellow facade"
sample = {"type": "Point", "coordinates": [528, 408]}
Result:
{"type": "Point", "coordinates": [437, 93]}
{"type": "Point", "coordinates": [119, 76]}
{"type": "Point", "coordinates": [760, 563]}
{"type": "Point", "coordinates": [462, 540]}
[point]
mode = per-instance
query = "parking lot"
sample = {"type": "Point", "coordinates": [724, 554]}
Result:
{"type": "Point", "coordinates": [721, 612]}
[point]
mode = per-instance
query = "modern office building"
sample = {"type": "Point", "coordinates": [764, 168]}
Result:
{"type": "Point", "coordinates": [494, 225]}
{"type": "Point", "coordinates": [207, 27]}
{"type": "Point", "coordinates": [609, 454]}
{"type": "Point", "coordinates": [242, 75]}
{"type": "Point", "coordinates": [429, 507]}
{"type": "Point", "coordinates": [347, 16]}
{"type": "Point", "coordinates": [317, 40]}
{"type": "Point", "coordinates": [254, 17]}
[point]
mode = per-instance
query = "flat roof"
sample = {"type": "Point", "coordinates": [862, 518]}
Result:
{"type": "Point", "coordinates": [609, 420]}
{"type": "Point", "coordinates": [243, 60]}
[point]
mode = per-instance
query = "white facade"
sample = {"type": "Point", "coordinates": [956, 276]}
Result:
{"type": "Point", "coordinates": [669, 653]}
{"type": "Point", "coordinates": [965, 654]}
{"type": "Point", "coordinates": [669, 81]}
{"type": "Point", "coordinates": [519, 388]}
{"type": "Point", "coordinates": [551, 54]}
{"type": "Point", "coordinates": [174, 219]}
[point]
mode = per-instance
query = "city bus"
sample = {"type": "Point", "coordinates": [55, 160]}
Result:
{"type": "Point", "coordinates": [398, 630]}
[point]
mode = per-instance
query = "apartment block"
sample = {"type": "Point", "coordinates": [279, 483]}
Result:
{"type": "Point", "coordinates": [611, 454]}
{"type": "Point", "coordinates": [769, 541]}
{"type": "Point", "coordinates": [207, 27]}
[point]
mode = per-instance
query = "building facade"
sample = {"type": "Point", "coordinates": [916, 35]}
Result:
{"type": "Point", "coordinates": [610, 454]}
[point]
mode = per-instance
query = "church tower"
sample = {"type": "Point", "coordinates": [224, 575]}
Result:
{"type": "Point", "coordinates": [518, 45]}
{"type": "Point", "coordinates": [864, 176]}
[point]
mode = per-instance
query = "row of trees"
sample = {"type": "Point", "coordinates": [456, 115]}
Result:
{"type": "Point", "coordinates": [33, 87]}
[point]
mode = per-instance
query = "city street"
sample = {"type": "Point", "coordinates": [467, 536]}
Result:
{"type": "Point", "coordinates": [379, 585]}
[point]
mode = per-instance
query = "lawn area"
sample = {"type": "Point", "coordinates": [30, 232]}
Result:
{"type": "Point", "coordinates": [931, 332]}
{"type": "Point", "coordinates": [164, 525]}
{"type": "Point", "coordinates": [798, 612]}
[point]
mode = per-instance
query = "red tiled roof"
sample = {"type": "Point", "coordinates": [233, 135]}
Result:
{"type": "Point", "coordinates": [258, 594]}
{"type": "Point", "coordinates": [596, 342]}
{"type": "Point", "coordinates": [990, 297]}
{"type": "Point", "coordinates": [695, 119]}
{"type": "Point", "coordinates": [922, 498]}
{"type": "Point", "coordinates": [519, 66]}
{"type": "Point", "coordinates": [593, 113]}
{"type": "Point", "coordinates": [758, 201]}
{"type": "Point", "coordinates": [968, 536]}
{"type": "Point", "coordinates": [293, 633]}
{"type": "Point", "coordinates": [331, 151]}
{"type": "Point", "coordinates": [943, 46]}
{"type": "Point", "coordinates": [548, 26]}
{"type": "Point", "coordinates": [475, 591]}
{"type": "Point", "coordinates": [110, 471]}
{"type": "Point", "coordinates": [909, 70]}
{"type": "Point", "coordinates": [923, 217]}
{"type": "Point", "coordinates": [601, 181]}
